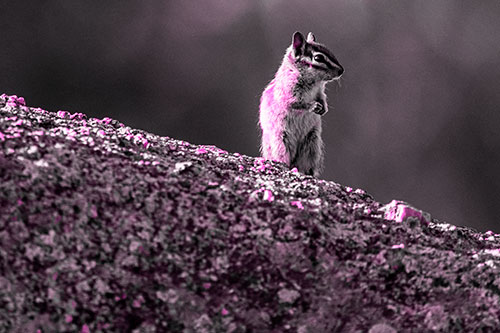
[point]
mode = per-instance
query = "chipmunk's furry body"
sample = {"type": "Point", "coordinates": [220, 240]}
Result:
{"type": "Point", "coordinates": [291, 106]}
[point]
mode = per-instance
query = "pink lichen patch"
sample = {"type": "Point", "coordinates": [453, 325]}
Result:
{"type": "Point", "coordinates": [398, 211]}
{"type": "Point", "coordinates": [17, 123]}
{"type": "Point", "coordinates": [2, 136]}
{"type": "Point", "coordinates": [380, 258]}
{"type": "Point", "coordinates": [39, 110]}
{"type": "Point", "coordinates": [360, 191]}
{"type": "Point", "coordinates": [362, 207]}
{"type": "Point", "coordinates": [261, 164]}
{"type": "Point", "coordinates": [348, 189]}
{"type": "Point", "coordinates": [134, 245]}
{"type": "Point", "coordinates": [84, 131]}
{"type": "Point", "coordinates": [37, 133]}
{"type": "Point", "coordinates": [62, 114]}
{"type": "Point", "coordinates": [12, 98]}
{"type": "Point", "coordinates": [493, 252]}
{"type": "Point", "coordinates": [489, 236]}
{"type": "Point", "coordinates": [106, 120]}
{"type": "Point", "coordinates": [294, 170]}
{"type": "Point", "coordinates": [434, 319]}
{"type": "Point", "coordinates": [49, 239]}
{"type": "Point", "coordinates": [288, 295]}
{"type": "Point", "coordinates": [68, 318]}
{"type": "Point", "coordinates": [488, 263]}
{"type": "Point", "coordinates": [224, 312]}
{"type": "Point", "coordinates": [254, 194]}
{"type": "Point", "coordinates": [85, 329]}
{"type": "Point", "coordinates": [398, 246]}
{"type": "Point", "coordinates": [51, 294]}
{"type": "Point", "coordinates": [207, 285]}
{"type": "Point", "coordinates": [101, 133]}
{"type": "Point", "coordinates": [78, 115]}
{"type": "Point", "coordinates": [268, 196]}
{"type": "Point", "coordinates": [139, 139]}
{"type": "Point", "coordinates": [93, 211]}
{"type": "Point", "coordinates": [261, 167]}
{"type": "Point", "coordinates": [137, 303]}
{"type": "Point", "coordinates": [241, 168]}
{"type": "Point", "coordinates": [200, 151]}
{"type": "Point", "coordinates": [71, 134]}
{"type": "Point", "coordinates": [297, 204]}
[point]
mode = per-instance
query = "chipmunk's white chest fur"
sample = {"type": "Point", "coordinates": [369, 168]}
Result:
{"type": "Point", "coordinates": [310, 95]}
{"type": "Point", "coordinates": [300, 122]}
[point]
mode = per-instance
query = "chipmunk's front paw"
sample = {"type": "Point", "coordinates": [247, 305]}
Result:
{"type": "Point", "coordinates": [318, 108]}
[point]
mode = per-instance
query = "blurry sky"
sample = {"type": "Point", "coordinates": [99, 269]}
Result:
{"type": "Point", "coordinates": [416, 116]}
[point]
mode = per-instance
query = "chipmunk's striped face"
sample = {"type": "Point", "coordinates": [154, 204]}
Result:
{"type": "Point", "coordinates": [315, 59]}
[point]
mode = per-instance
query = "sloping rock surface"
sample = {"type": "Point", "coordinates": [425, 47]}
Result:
{"type": "Point", "coordinates": [105, 228]}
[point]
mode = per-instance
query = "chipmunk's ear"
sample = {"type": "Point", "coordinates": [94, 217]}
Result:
{"type": "Point", "coordinates": [310, 37]}
{"type": "Point", "coordinates": [298, 43]}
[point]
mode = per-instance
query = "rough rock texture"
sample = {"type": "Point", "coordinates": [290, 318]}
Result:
{"type": "Point", "coordinates": [104, 228]}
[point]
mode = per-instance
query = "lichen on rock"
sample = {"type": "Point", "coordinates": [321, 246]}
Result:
{"type": "Point", "coordinates": [106, 228]}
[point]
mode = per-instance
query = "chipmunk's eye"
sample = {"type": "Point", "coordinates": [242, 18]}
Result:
{"type": "Point", "coordinates": [319, 57]}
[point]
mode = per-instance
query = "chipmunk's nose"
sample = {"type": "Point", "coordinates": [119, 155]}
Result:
{"type": "Point", "coordinates": [340, 71]}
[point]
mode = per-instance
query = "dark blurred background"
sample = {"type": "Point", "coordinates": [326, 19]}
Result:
{"type": "Point", "coordinates": [415, 116]}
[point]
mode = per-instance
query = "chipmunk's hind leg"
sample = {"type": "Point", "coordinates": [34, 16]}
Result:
{"type": "Point", "coordinates": [309, 154]}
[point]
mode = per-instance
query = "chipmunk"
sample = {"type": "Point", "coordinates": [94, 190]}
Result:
{"type": "Point", "coordinates": [292, 104]}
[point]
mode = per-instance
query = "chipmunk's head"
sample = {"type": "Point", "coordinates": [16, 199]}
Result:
{"type": "Point", "coordinates": [313, 59]}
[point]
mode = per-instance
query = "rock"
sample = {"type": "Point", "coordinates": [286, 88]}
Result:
{"type": "Point", "coordinates": [108, 228]}
{"type": "Point", "coordinates": [399, 211]}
